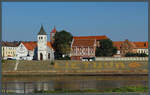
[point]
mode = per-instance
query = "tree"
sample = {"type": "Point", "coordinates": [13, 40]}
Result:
{"type": "Point", "coordinates": [106, 48]}
{"type": "Point", "coordinates": [62, 43]}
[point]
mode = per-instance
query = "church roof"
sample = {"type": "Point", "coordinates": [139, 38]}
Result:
{"type": "Point", "coordinates": [42, 32]}
{"type": "Point", "coordinates": [49, 44]}
{"type": "Point", "coordinates": [31, 45]}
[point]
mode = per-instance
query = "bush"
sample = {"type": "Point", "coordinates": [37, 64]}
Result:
{"type": "Point", "coordinates": [52, 62]}
{"type": "Point", "coordinates": [64, 58]}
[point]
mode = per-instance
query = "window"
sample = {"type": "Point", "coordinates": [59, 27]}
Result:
{"type": "Point", "coordinates": [41, 37]}
{"type": "Point", "coordinates": [144, 44]}
{"type": "Point", "coordinates": [141, 51]}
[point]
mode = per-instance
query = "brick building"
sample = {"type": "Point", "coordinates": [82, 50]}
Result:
{"type": "Point", "coordinates": [126, 46]}
{"type": "Point", "coordinates": [83, 47]}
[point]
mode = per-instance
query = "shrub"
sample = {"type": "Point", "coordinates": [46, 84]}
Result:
{"type": "Point", "coordinates": [52, 62]}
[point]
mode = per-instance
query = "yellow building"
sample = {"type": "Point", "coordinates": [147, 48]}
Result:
{"type": "Point", "coordinates": [9, 49]}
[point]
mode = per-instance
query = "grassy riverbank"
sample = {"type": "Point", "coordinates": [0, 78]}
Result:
{"type": "Point", "coordinates": [74, 67]}
{"type": "Point", "coordinates": [139, 89]}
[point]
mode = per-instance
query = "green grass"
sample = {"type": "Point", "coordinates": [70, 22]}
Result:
{"type": "Point", "coordinates": [140, 89]}
{"type": "Point", "coordinates": [130, 89]}
{"type": "Point", "coordinates": [62, 65]}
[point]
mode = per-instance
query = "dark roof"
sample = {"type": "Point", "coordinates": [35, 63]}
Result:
{"type": "Point", "coordinates": [42, 32]}
{"type": "Point", "coordinates": [10, 44]}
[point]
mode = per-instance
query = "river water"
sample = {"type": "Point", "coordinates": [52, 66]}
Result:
{"type": "Point", "coordinates": [30, 84]}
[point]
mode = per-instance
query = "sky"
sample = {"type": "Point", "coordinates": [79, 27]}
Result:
{"type": "Point", "coordinates": [117, 20]}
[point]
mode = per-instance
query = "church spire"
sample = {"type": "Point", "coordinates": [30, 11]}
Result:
{"type": "Point", "coordinates": [52, 35]}
{"type": "Point", "coordinates": [54, 30]}
{"type": "Point", "coordinates": [42, 31]}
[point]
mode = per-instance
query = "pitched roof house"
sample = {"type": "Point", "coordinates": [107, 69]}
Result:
{"type": "Point", "coordinates": [129, 46]}
{"type": "Point", "coordinates": [84, 46]}
{"type": "Point", "coordinates": [39, 50]}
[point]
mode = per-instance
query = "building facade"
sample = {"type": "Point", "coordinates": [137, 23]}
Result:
{"type": "Point", "coordinates": [127, 46]}
{"type": "Point", "coordinates": [40, 50]}
{"type": "Point", "coordinates": [84, 47]}
{"type": "Point", "coordinates": [26, 51]}
{"type": "Point", "coordinates": [142, 47]}
{"type": "Point", "coordinates": [9, 49]}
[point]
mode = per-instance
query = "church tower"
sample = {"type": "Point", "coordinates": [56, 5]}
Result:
{"type": "Point", "coordinates": [52, 35]}
{"type": "Point", "coordinates": [42, 44]}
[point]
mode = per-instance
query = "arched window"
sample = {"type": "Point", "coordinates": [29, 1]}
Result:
{"type": "Point", "coordinates": [48, 55]}
{"type": "Point", "coordinates": [41, 37]}
{"type": "Point", "coordinates": [41, 56]}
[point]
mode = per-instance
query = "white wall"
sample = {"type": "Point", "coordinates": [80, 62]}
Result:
{"type": "Point", "coordinates": [121, 58]}
{"type": "Point", "coordinates": [142, 50]}
{"type": "Point", "coordinates": [42, 46]}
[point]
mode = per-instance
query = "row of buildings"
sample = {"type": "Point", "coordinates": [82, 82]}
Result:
{"type": "Point", "coordinates": [81, 47]}
{"type": "Point", "coordinates": [85, 47]}
{"type": "Point", "coordinates": [30, 50]}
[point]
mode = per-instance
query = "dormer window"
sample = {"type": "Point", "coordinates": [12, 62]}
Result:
{"type": "Point", "coordinates": [144, 44]}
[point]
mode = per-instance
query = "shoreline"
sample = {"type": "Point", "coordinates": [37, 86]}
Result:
{"type": "Point", "coordinates": [48, 73]}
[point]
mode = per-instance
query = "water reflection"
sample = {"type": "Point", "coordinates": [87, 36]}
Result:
{"type": "Point", "coordinates": [30, 84]}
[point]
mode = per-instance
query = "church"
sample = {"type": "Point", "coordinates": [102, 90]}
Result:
{"type": "Point", "coordinates": [37, 50]}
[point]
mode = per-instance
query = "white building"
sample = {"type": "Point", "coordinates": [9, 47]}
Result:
{"type": "Point", "coordinates": [40, 50]}
{"type": "Point", "coordinates": [26, 51]}
{"type": "Point", "coordinates": [9, 49]}
{"type": "Point", "coordinates": [142, 47]}
{"type": "Point", "coordinates": [44, 50]}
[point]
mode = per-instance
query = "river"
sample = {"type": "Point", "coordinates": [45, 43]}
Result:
{"type": "Point", "coordinates": [28, 84]}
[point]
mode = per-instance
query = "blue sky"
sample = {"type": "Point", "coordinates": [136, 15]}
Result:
{"type": "Point", "coordinates": [117, 20]}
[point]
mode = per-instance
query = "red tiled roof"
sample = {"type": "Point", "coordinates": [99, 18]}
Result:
{"type": "Point", "coordinates": [54, 30]}
{"type": "Point", "coordinates": [49, 44]}
{"type": "Point", "coordinates": [30, 45]}
{"type": "Point", "coordinates": [83, 42]}
{"type": "Point", "coordinates": [117, 44]}
{"type": "Point", "coordinates": [135, 45]}
{"type": "Point", "coordinates": [141, 44]}
{"type": "Point", "coordinates": [91, 37]}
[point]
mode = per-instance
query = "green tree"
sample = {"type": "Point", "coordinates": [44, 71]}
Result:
{"type": "Point", "coordinates": [62, 43]}
{"type": "Point", "coordinates": [106, 48]}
